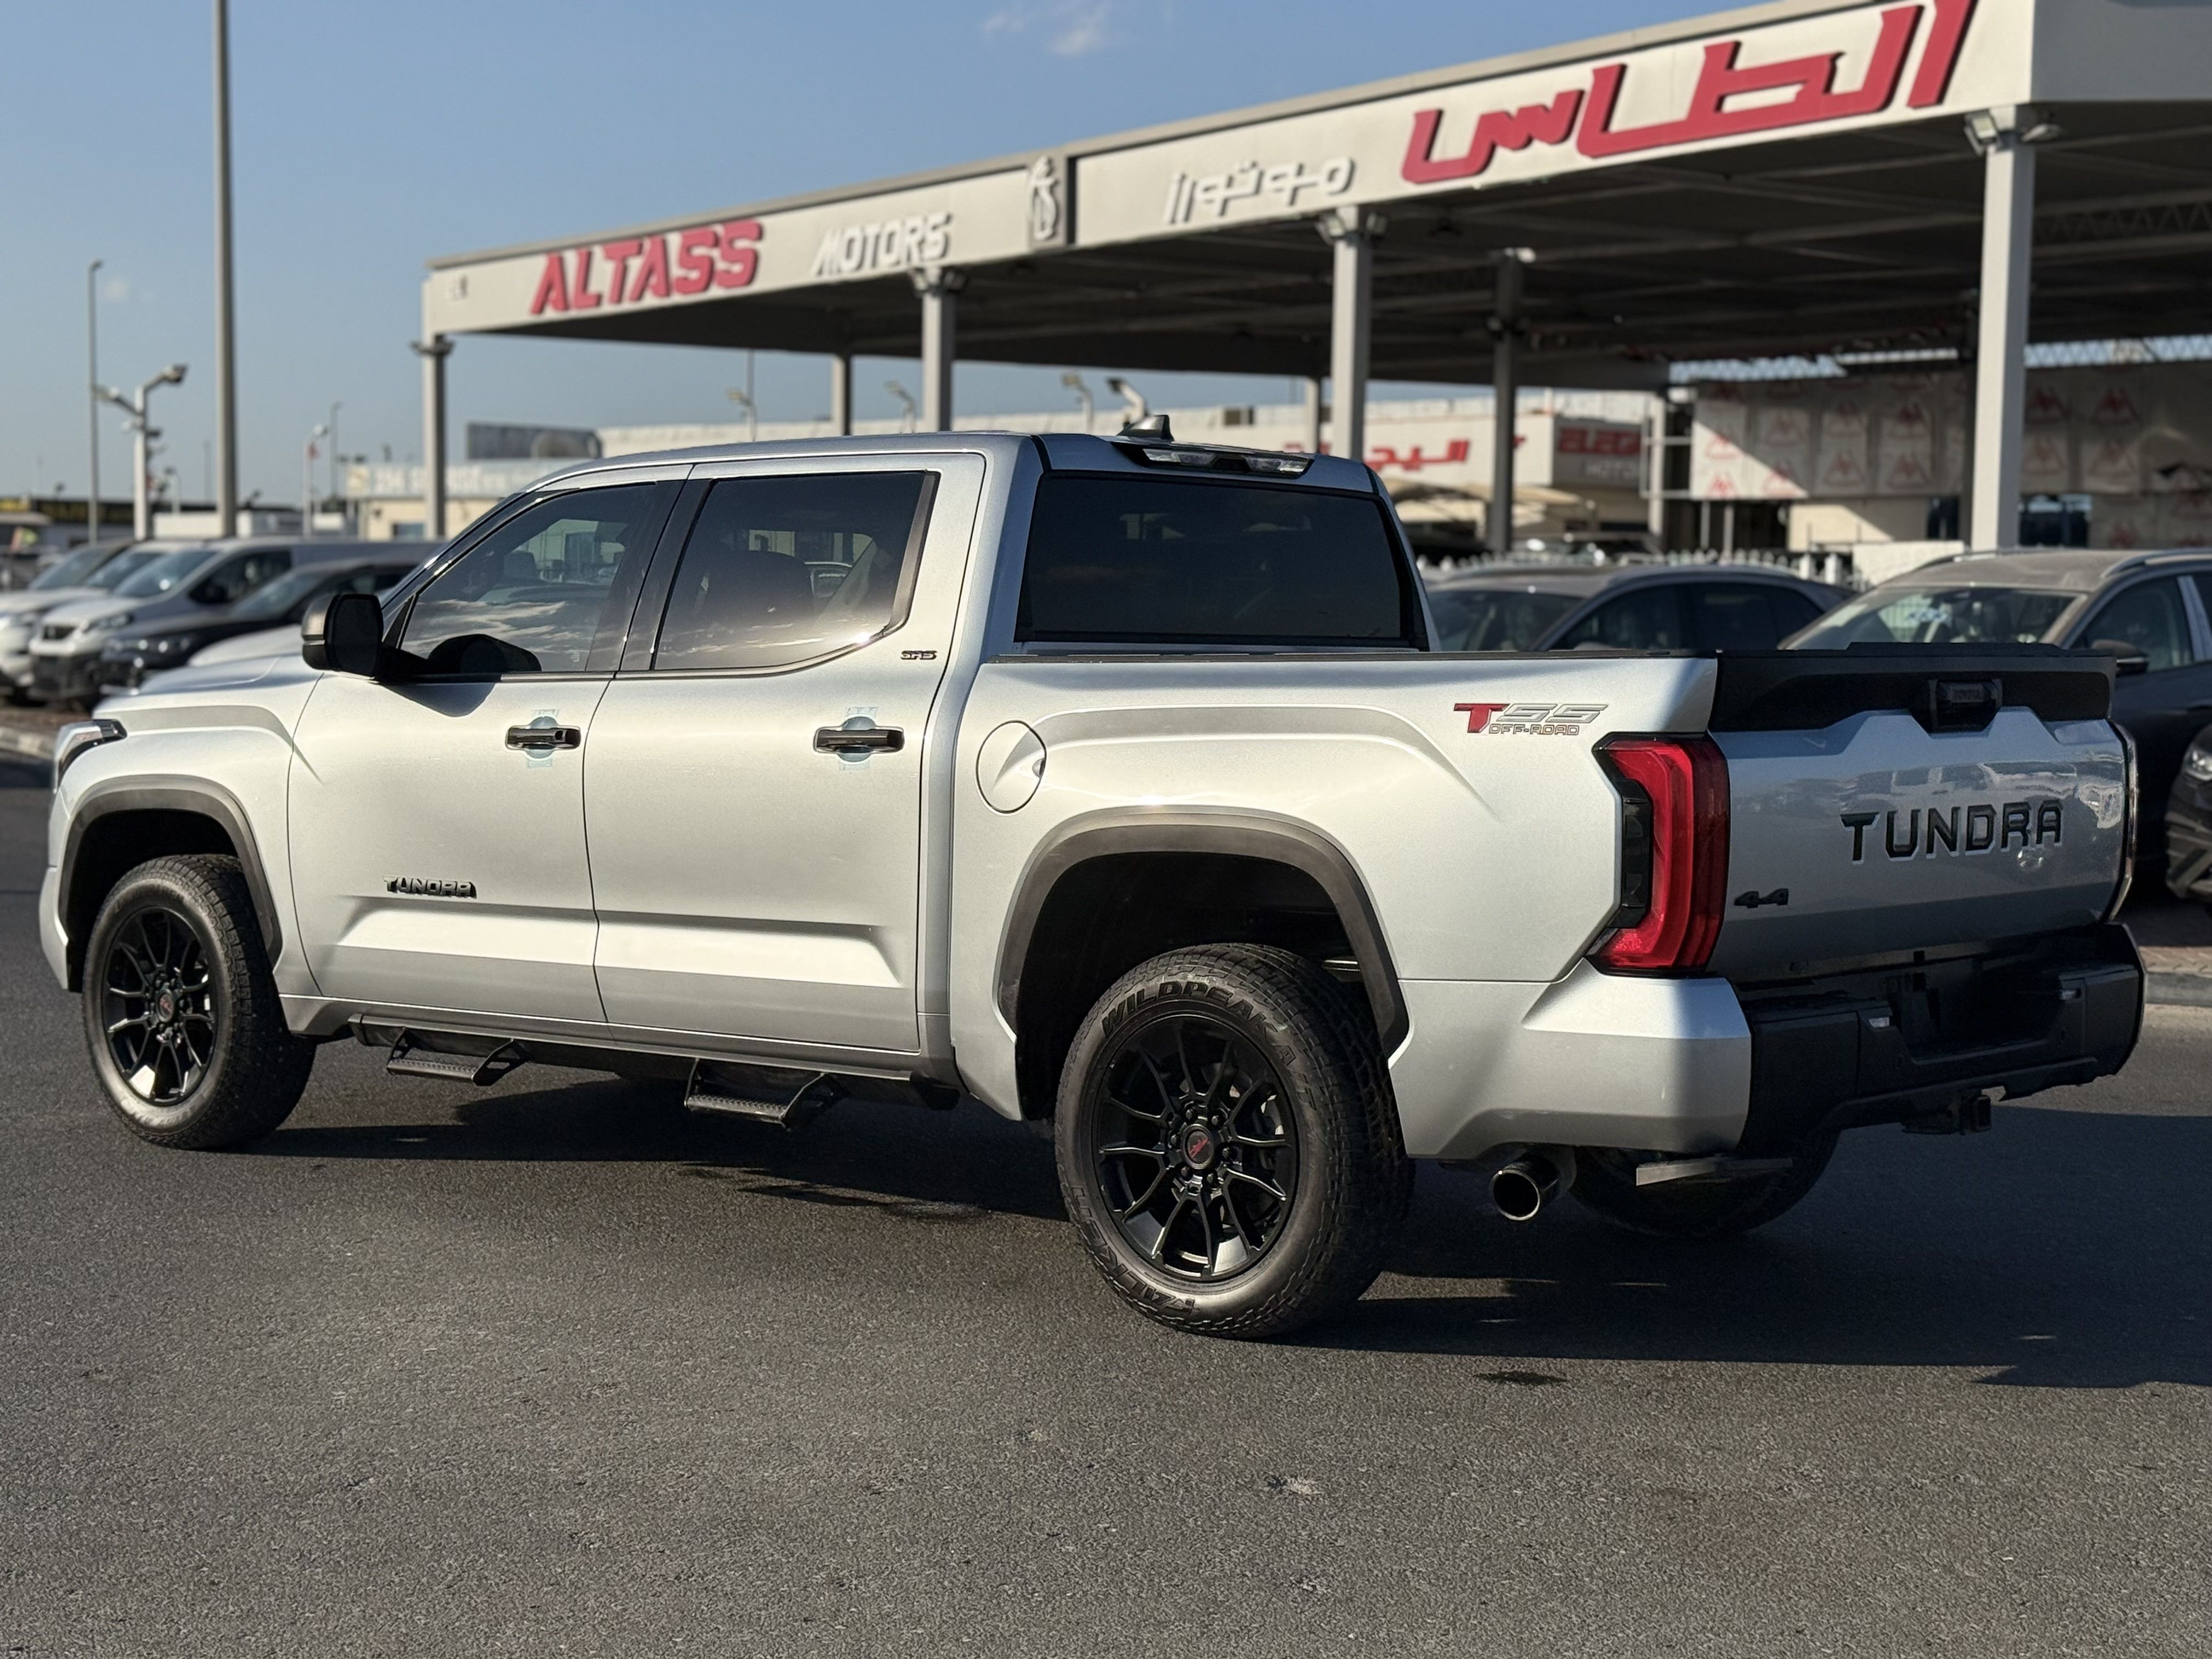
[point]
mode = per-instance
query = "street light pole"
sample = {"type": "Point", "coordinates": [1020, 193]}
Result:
{"type": "Point", "coordinates": [308, 483]}
{"type": "Point", "coordinates": [142, 435]}
{"type": "Point", "coordinates": [1074, 383]}
{"type": "Point", "coordinates": [225, 353]}
{"type": "Point", "coordinates": [92, 396]}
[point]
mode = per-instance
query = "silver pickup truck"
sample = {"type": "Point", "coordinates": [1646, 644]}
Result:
{"type": "Point", "coordinates": [1113, 784]}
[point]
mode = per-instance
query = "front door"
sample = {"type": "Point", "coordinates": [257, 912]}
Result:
{"type": "Point", "coordinates": [437, 815]}
{"type": "Point", "coordinates": [754, 791]}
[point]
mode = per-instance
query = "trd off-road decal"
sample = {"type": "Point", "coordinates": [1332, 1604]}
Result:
{"type": "Point", "coordinates": [1529, 720]}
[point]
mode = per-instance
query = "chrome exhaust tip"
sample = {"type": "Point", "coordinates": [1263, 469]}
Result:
{"type": "Point", "coordinates": [1524, 1185]}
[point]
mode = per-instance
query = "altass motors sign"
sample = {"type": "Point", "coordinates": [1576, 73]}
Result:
{"type": "Point", "coordinates": [1852, 67]}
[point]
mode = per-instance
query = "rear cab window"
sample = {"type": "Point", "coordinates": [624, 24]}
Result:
{"type": "Point", "coordinates": [1184, 563]}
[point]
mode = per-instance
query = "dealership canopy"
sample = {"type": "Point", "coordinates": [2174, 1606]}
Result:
{"type": "Point", "coordinates": [1795, 178]}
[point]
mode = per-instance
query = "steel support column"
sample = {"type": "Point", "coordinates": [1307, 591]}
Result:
{"type": "Point", "coordinates": [1505, 392]}
{"type": "Point", "coordinates": [1351, 314]}
{"type": "Point", "coordinates": [938, 285]}
{"type": "Point", "coordinates": [433, 353]}
{"type": "Point", "coordinates": [2001, 340]}
{"type": "Point", "coordinates": [1310, 388]}
{"type": "Point", "coordinates": [840, 394]}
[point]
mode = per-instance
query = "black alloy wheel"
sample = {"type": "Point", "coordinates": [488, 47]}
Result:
{"type": "Point", "coordinates": [181, 1009]}
{"type": "Point", "coordinates": [1195, 1147]}
{"type": "Point", "coordinates": [157, 1003]}
{"type": "Point", "coordinates": [1227, 1143]}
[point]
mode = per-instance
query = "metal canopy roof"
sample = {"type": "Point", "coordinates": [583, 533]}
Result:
{"type": "Point", "coordinates": [1863, 240]}
{"type": "Point", "coordinates": [1791, 178]}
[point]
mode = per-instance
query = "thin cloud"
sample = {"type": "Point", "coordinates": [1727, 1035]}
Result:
{"type": "Point", "coordinates": [1068, 28]}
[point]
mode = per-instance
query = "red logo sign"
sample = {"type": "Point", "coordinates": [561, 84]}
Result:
{"type": "Point", "coordinates": [1810, 79]}
{"type": "Point", "coordinates": [706, 256]}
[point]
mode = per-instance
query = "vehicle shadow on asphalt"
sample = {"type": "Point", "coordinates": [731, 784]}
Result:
{"type": "Point", "coordinates": [914, 1161]}
{"type": "Point", "coordinates": [2066, 1250]}
{"type": "Point", "coordinates": [2069, 1249]}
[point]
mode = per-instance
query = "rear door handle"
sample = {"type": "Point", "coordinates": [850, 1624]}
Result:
{"type": "Point", "coordinates": [545, 737]}
{"type": "Point", "coordinates": [859, 739]}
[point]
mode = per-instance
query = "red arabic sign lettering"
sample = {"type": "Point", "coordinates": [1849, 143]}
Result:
{"type": "Point", "coordinates": [1586, 114]}
{"type": "Point", "coordinates": [638, 268]}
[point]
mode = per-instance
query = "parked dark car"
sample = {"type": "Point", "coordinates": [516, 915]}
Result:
{"type": "Point", "coordinates": [125, 661]}
{"type": "Point", "coordinates": [1637, 607]}
{"type": "Point", "coordinates": [2189, 823]}
{"type": "Point", "coordinates": [2149, 610]}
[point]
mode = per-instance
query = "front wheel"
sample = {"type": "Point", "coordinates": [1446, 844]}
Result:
{"type": "Point", "coordinates": [1604, 1184]}
{"type": "Point", "coordinates": [1227, 1143]}
{"type": "Point", "coordinates": [180, 1009]}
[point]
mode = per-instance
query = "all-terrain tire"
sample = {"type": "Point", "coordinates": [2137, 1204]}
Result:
{"type": "Point", "coordinates": [1604, 1184]}
{"type": "Point", "coordinates": [1350, 1179]}
{"type": "Point", "coordinates": [183, 928]}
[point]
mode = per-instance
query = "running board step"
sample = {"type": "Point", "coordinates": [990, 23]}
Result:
{"type": "Point", "coordinates": [1709, 1169]}
{"type": "Point", "coordinates": [767, 1094]}
{"type": "Point", "coordinates": [408, 1059]}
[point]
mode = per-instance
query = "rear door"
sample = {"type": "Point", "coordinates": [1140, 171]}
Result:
{"type": "Point", "coordinates": [437, 821]}
{"type": "Point", "coordinates": [754, 786]}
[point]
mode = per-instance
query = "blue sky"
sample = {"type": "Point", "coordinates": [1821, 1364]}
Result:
{"type": "Point", "coordinates": [369, 138]}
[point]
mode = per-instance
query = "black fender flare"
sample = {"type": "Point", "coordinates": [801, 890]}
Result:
{"type": "Point", "coordinates": [1239, 834]}
{"type": "Point", "coordinates": [195, 796]}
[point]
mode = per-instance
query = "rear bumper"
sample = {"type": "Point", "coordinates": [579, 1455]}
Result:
{"type": "Point", "coordinates": [1890, 1044]}
{"type": "Point", "coordinates": [1698, 1065]}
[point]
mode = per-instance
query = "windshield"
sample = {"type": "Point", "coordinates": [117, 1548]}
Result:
{"type": "Point", "coordinates": [164, 572]}
{"type": "Point", "coordinates": [70, 572]}
{"type": "Point", "coordinates": [122, 565]}
{"type": "Point", "coordinates": [286, 591]}
{"type": "Point", "coordinates": [1938, 615]}
{"type": "Point", "coordinates": [1496, 618]}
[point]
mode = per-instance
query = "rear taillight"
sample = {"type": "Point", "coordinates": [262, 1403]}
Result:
{"type": "Point", "coordinates": [1675, 836]}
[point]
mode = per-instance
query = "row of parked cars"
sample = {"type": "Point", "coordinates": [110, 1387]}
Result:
{"type": "Point", "coordinates": [105, 616]}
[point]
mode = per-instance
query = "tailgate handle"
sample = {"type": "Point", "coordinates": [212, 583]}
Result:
{"type": "Point", "coordinates": [1962, 705]}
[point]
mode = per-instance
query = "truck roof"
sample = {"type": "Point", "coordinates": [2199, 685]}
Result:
{"type": "Point", "coordinates": [1080, 449]}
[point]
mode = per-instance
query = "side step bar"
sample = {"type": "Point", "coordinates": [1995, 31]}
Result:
{"type": "Point", "coordinates": [1709, 1169]}
{"type": "Point", "coordinates": [410, 1058]}
{"type": "Point", "coordinates": [766, 1094]}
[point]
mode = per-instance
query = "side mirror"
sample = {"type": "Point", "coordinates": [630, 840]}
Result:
{"type": "Point", "coordinates": [344, 632]}
{"type": "Point", "coordinates": [2127, 659]}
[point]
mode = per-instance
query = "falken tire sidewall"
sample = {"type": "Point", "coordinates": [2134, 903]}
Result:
{"type": "Point", "coordinates": [1353, 1178]}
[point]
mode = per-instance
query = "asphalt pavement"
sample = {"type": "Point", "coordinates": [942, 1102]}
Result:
{"type": "Point", "coordinates": [550, 1368]}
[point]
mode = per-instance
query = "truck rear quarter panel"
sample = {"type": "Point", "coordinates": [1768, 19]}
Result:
{"type": "Point", "coordinates": [1490, 856]}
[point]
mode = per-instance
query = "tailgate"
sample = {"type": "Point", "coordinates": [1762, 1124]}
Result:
{"type": "Point", "coordinates": [1904, 798]}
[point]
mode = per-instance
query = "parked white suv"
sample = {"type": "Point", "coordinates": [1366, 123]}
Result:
{"type": "Point", "coordinates": [1113, 783]}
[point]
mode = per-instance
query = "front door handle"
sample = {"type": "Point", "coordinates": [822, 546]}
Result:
{"type": "Point", "coordinates": [860, 740]}
{"type": "Point", "coordinates": [545, 737]}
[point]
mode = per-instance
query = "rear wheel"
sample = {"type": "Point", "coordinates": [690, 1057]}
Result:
{"type": "Point", "coordinates": [1604, 1183]}
{"type": "Point", "coordinates": [1227, 1144]}
{"type": "Point", "coordinates": [180, 1009]}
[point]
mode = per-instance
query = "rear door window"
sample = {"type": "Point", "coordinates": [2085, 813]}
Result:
{"type": "Point", "coordinates": [1744, 615]}
{"type": "Point", "coordinates": [782, 570]}
{"type": "Point", "coordinates": [1643, 619]}
{"type": "Point", "coordinates": [1141, 561]}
